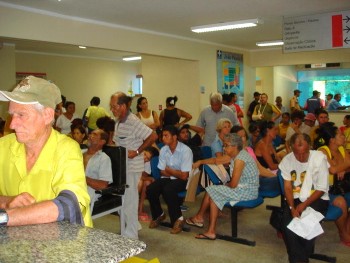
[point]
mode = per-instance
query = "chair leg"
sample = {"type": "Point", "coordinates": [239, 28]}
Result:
{"type": "Point", "coordinates": [233, 237]}
{"type": "Point", "coordinates": [324, 258]}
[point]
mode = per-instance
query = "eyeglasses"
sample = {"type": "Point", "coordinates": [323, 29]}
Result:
{"type": "Point", "coordinates": [227, 145]}
{"type": "Point", "coordinates": [114, 107]}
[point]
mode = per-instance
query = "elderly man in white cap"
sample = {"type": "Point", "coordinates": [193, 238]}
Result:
{"type": "Point", "coordinates": [42, 176]}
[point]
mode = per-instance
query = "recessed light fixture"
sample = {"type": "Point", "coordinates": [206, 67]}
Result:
{"type": "Point", "coordinates": [270, 43]}
{"type": "Point", "coordinates": [226, 25]}
{"type": "Point", "coordinates": [83, 47]}
{"type": "Point", "coordinates": [132, 58]}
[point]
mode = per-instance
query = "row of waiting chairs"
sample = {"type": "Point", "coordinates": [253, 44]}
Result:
{"type": "Point", "coordinates": [269, 188]}
{"type": "Point", "coordinates": [112, 198]}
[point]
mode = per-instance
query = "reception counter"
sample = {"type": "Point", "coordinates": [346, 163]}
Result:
{"type": "Point", "coordinates": [63, 242]}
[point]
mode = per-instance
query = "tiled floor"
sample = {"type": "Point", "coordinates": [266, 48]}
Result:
{"type": "Point", "coordinates": [252, 224]}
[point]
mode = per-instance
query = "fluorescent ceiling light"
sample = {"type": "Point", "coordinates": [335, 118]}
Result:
{"type": "Point", "coordinates": [226, 26]}
{"type": "Point", "coordinates": [131, 58]}
{"type": "Point", "coordinates": [83, 47]}
{"type": "Point", "coordinates": [270, 43]}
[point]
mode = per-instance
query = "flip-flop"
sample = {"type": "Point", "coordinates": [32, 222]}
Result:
{"type": "Point", "coordinates": [205, 237]}
{"type": "Point", "coordinates": [189, 221]}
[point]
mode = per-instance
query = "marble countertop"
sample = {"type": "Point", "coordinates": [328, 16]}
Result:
{"type": "Point", "coordinates": [64, 242]}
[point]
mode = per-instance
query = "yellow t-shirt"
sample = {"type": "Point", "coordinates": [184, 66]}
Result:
{"type": "Point", "coordinates": [342, 152]}
{"type": "Point", "coordinates": [93, 114]}
{"type": "Point", "coordinates": [59, 167]}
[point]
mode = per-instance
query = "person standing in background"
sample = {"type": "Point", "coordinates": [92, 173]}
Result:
{"type": "Point", "coordinates": [94, 112]}
{"type": "Point", "coordinates": [282, 108]}
{"type": "Point", "coordinates": [314, 103]}
{"type": "Point", "coordinates": [294, 101]}
{"type": "Point", "coordinates": [211, 114]}
{"type": "Point", "coordinates": [172, 115]}
{"type": "Point", "coordinates": [130, 132]}
{"type": "Point", "coordinates": [147, 116]}
{"type": "Point", "coordinates": [240, 114]}
{"type": "Point", "coordinates": [265, 111]}
{"type": "Point", "coordinates": [252, 106]}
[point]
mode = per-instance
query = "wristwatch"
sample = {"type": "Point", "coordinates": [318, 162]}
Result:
{"type": "Point", "coordinates": [4, 218]}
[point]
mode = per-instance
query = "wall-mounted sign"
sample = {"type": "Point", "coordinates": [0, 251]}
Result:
{"type": "Point", "coordinates": [316, 32]}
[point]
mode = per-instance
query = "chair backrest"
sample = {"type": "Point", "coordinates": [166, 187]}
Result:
{"type": "Point", "coordinates": [281, 181]}
{"type": "Point", "coordinates": [206, 152]}
{"type": "Point", "coordinates": [118, 160]}
{"type": "Point", "coordinates": [154, 167]}
{"type": "Point", "coordinates": [212, 176]}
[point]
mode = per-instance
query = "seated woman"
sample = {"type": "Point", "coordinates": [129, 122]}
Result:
{"type": "Point", "coordinates": [223, 127]}
{"type": "Point", "coordinates": [266, 176]}
{"type": "Point", "coordinates": [64, 121]}
{"type": "Point", "coordinates": [264, 150]}
{"type": "Point", "coordinates": [305, 176]}
{"type": "Point", "coordinates": [339, 160]}
{"type": "Point", "coordinates": [254, 134]}
{"type": "Point", "coordinates": [146, 179]}
{"type": "Point", "coordinates": [243, 185]}
{"type": "Point", "coordinates": [79, 134]}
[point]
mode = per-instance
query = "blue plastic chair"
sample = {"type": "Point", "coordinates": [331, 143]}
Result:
{"type": "Point", "coordinates": [234, 212]}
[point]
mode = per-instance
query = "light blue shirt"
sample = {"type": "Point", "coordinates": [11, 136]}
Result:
{"type": "Point", "coordinates": [333, 105]}
{"type": "Point", "coordinates": [217, 146]}
{"type": "Point", "coordinates": [180, 159]}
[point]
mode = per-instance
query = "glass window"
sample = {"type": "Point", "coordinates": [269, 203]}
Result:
{"type": "Point", "coordinates": [326, 81]}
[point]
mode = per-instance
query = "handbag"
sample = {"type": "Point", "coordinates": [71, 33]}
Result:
{"type": "Point", "coordinates": [340, 187]}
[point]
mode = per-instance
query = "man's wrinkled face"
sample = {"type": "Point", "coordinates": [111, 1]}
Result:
{"type": "Point", "coordinates": [300, 148]}
{"type": "Point", "coordinates": [216, 107]}
{"type": "Point", "coordinates": [116, 109]}
{"type": "Point", "coordinates": [28, 122]}
{"type": "Point", "coordinates": [94, 138]}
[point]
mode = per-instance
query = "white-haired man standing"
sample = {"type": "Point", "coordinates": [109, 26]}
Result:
{"type": "Point", "coordinates": [210, 116]}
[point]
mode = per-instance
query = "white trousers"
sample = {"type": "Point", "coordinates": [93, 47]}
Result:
{"type": "Point", "coordinates": [130, 206]}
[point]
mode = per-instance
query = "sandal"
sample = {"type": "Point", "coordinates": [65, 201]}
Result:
{"type": "Point", "coordinates": [191, 222]}
{"type": "Point", "coordinates": [205, 237]}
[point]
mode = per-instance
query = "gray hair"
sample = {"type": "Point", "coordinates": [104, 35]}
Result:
{"type": "Point", "coordinates": [40, 108]}
{"type": "Point", "coordinates": [235, 140]}
{"type": "Point", "coordinates": [302, 136]}
{"type": "Point", "coordinates": [215, 97]}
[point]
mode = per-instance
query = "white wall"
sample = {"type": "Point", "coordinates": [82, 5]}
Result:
{"type": "Point", "coordinates": [80, 79]}
{"type": "Point", "coordinates": [167, 77]}
{"type": "Point", "coordinates": [7, 78]}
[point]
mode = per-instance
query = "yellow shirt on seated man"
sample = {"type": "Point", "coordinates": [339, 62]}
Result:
{"type": "Point", "coordinates": [56, 169]}
{"type": "Point", "coordinates": [41, 171]}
